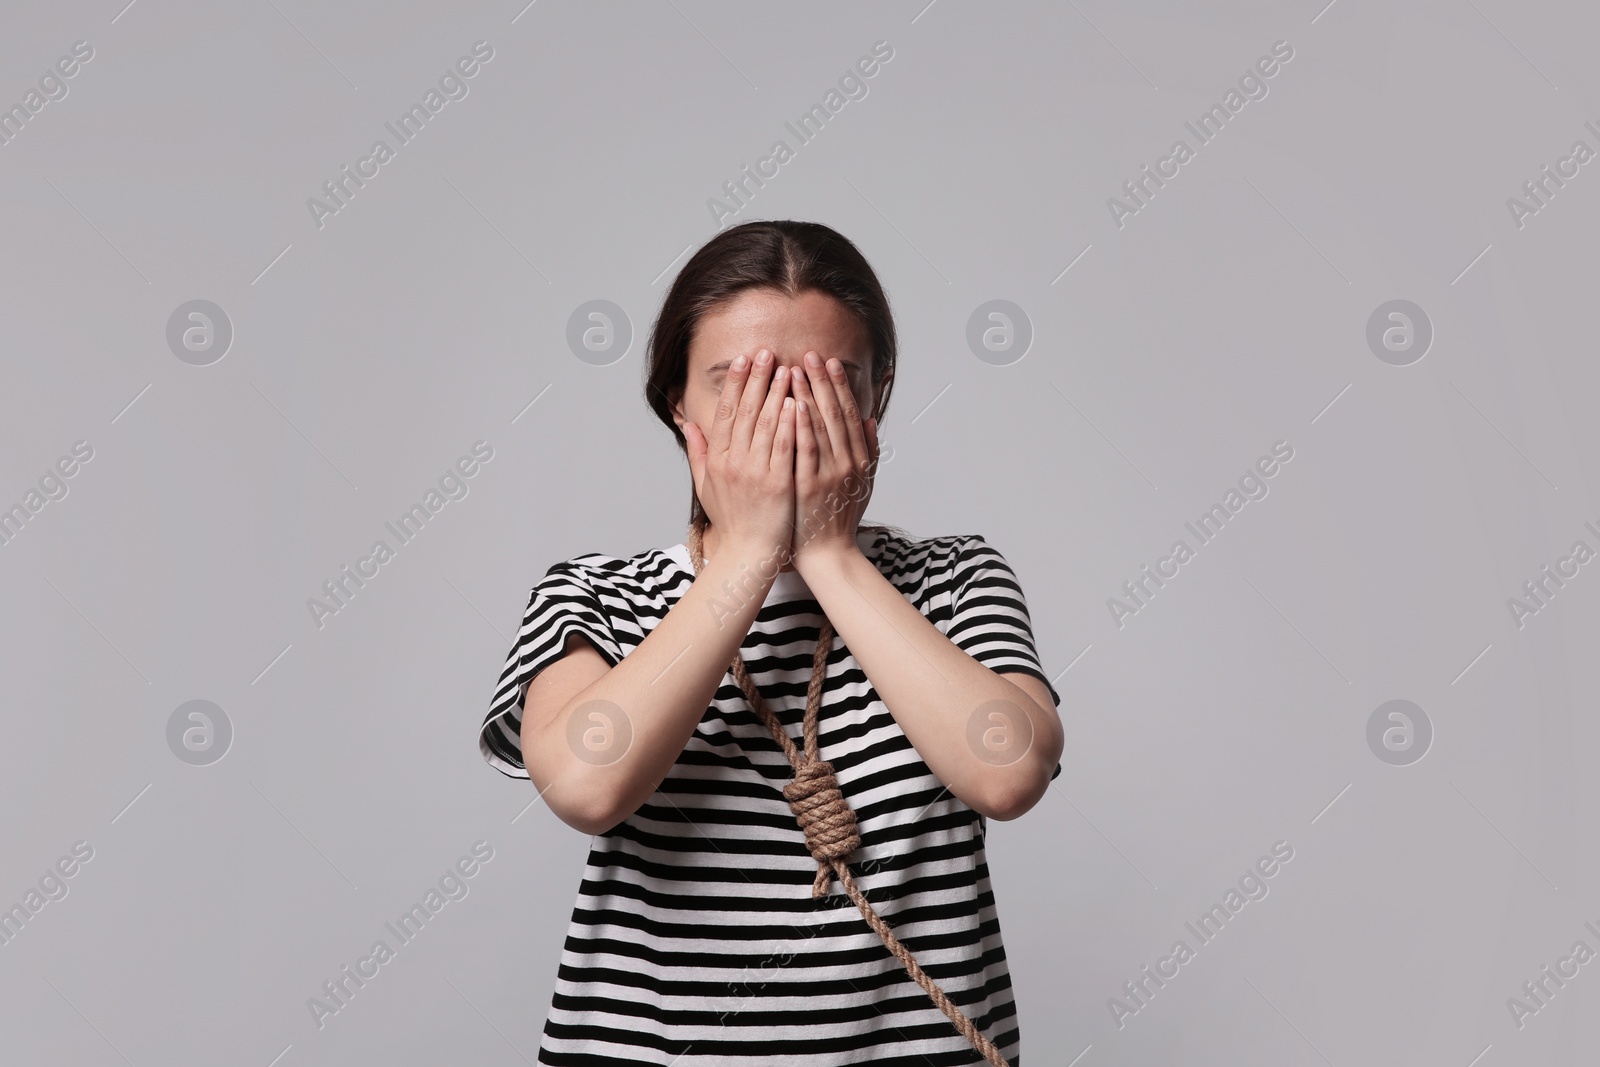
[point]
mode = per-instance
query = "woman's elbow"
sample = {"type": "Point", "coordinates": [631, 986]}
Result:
{"type": "Point", "coordinates": [585, 809]}
{"type": "Point", "coordinates": [1013, 804]}
{"type": "Point", "coordinates": [575, 792]}
{"type": "Point", "coordinates": [1016, 793]}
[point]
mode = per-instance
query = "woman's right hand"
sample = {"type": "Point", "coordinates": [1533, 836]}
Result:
{"type": "Point", "coordinates": [743, 465]}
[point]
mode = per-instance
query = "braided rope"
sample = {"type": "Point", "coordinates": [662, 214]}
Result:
{"type": "Point", "coordinates": [827, 819]}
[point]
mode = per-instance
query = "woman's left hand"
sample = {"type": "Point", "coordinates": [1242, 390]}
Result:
{"type": "Point", "coordinates": [835, 458]}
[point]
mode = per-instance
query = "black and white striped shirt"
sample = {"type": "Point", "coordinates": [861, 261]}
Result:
{"type": "Point", "coordinates": [695, 940]}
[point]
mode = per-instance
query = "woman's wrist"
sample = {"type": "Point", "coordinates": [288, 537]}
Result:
{"type": "Point", "coordinates": [755, 555]}
{"type": "Point", "coordinates": [820, 556]}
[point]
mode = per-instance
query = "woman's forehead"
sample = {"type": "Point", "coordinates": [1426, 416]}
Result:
{"type": "Point", "coordinates": [789, 327]}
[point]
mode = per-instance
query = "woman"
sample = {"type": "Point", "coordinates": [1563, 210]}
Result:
{"type": "Point", "coordinates": [787, 732]}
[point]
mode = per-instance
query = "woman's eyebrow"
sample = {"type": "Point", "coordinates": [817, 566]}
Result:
{"type": "Point", "coordinates": [717, 368]}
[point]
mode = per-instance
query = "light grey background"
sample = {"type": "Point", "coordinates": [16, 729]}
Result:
{"type": "Point", "coordinates": [370, 353]}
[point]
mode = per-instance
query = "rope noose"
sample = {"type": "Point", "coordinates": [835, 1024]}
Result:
{"type": "Point", "coordinates": [827, 819]}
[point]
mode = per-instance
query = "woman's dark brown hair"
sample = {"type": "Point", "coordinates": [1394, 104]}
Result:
{"type": "Point", "coordinates": [787, 257]}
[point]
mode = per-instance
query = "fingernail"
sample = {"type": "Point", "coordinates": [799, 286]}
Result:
{"type": "Point", "coordinates": [763, 357]}
{"type": "Point", "coordinates": [813, 360]}
{"type": "Point", "coordinates": [739, 361]}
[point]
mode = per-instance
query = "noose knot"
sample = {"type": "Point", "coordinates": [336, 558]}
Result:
{"type": "Point", "coordinates": [826, 817]}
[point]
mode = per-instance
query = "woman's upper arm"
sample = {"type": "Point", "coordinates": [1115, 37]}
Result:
{"type": "Point", "coordinates": [990, 622]}
{"type": "Point", "coordinates": [563, 607]}
{"type": "Point", "coordinates": [989, 613]}
{"type": "Point", "coordinates": [579, 667]}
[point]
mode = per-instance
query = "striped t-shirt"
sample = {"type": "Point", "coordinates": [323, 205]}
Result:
{"type": "Point", "coordinates": [695, 940]}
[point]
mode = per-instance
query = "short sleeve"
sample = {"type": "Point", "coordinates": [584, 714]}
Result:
{"type": "Point", "coordinates": [564, 601]}
{"type": "Point", "coordinates": [990, 620]}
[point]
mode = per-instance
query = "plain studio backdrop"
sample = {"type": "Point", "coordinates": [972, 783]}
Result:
{"type": "Point", "coordinates": [1378, 259]}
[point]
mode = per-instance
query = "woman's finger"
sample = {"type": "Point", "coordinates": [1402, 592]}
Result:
{"type": "Point", "coordinates": [848, 411]}
{"type": "Point", "coordinates": [805, 438]}
{"type": "Point", "coordinates": [827, 399]}
{"type": "Point", "coordinates": [876, 450]}
{"type": "Point", "coordinates": [805, 390]}
{"type": "Point", "coordinates": [784, 440]}
{"type": "Point", "coordinates": [766, 426]}
{"type": "Point", "coordinates": [721, 435]}
{"type": "Point", "coordinates": [751, 401]}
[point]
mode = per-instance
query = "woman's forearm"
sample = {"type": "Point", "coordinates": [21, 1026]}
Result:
{"type": "Point", "coordinates": [942, 698]}
{"type": "Point", "coordinates": [610, 746]}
